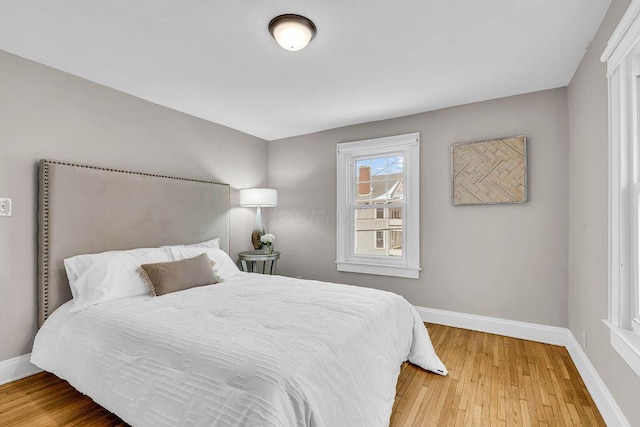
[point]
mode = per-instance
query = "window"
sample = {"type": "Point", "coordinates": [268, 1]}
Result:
{"type": "Point", "coordinates": [623, 69]}
{"type": "Point", "coordinates": [396, 239]}
{"type": "Point", "coordinates": [379, 206]}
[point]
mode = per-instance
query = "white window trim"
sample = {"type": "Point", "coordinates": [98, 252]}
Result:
{"type": "Point", "coordinates": [409, 265]}
{"type": "Point", "coordinates": [623, 49]}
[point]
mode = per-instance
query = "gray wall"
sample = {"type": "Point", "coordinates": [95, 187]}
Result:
{"type": "Point", "coordinates": [503, 261]}
{"type": "Point", "coordinates": [588, 192]}
{"type": "Point", "coordinates": [46, 113]}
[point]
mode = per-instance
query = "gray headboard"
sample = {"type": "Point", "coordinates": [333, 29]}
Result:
{"type": "Point", "coordinates": [86, 209]}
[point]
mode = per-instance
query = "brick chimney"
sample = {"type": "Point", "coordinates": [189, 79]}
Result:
{"type": "Point", "coordinates": [364, 176]}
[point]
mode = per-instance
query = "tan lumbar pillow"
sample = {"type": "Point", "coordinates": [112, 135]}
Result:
{"type": "Point", "coordinates": [166, 277]}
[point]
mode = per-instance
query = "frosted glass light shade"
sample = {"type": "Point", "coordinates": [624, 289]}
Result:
{"type": "Point", "coordinates": [292, 32]}
{"type": "Point", "coordinates": [262, 197]}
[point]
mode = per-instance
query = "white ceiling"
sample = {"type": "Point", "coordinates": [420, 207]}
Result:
{"type": "Point", "coordinates": [371, 59]}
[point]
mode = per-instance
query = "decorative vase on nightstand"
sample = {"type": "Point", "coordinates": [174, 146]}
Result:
{"type": "Point", "coordinates": [267, 249]}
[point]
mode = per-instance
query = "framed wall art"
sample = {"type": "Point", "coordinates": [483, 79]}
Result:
{"type": "Point", "coordinates": [490, 172]}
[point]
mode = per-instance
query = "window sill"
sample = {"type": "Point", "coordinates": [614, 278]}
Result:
{"type": "Point", "coordinates": [627, 344]}
{"type": "Point", "coordinates": [379, 270]}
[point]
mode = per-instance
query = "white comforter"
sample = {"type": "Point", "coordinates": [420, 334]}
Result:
{"type": "Point", "coordinates": [254, 351]}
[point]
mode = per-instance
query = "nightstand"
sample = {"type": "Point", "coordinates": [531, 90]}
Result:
{"type": "Point", "coordinates": [249, 261]}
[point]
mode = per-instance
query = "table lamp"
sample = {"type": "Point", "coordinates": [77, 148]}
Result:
{"type": "Point", "coordinates": [258, 198]}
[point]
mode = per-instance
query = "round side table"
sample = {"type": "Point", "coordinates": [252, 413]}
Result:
{"type": "Point", "coordinates": [249, 261]}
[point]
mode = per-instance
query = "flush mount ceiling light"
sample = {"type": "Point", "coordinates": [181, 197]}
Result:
{"type": "Point", "coordinates": [292, 32]}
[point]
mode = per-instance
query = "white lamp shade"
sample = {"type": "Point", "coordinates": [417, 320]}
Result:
{"type": "Point", "coordinates": [263, 197]}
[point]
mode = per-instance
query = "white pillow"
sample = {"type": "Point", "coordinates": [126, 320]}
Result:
{"type": "Point", "coordinates": [213, 243]}
{"type": "Point", "coordinates": [98, 278]}
{"type": "Point", "coordinates": [223, 264]}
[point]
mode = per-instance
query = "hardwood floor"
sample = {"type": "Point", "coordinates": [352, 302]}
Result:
{"type": "Point", "coordinates": [493, 380]}
{"type": "Point", "coordinates": [45, 400]}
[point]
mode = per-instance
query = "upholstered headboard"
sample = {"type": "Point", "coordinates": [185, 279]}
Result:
{"type": "Point", "coordinates": [86, 209]}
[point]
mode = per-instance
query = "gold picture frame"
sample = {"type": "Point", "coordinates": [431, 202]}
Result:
{"type": "Point", "coordinates": [489, 172]}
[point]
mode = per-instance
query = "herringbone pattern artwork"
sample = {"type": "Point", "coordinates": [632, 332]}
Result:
{"type": "Point", "coordinates": [490, 172]}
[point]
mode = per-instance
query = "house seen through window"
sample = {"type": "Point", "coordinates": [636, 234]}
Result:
{"type": "Point", "coordinates": [379, 199]}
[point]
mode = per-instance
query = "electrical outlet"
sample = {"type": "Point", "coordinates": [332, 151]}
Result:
{"type": "Point", "coordinates": [5, 207]}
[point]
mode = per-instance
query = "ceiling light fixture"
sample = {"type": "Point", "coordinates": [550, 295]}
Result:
{"type": "Point", "coordinates": [292, 32]}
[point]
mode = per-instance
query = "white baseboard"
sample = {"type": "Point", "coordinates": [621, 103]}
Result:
{"type": "Point", "coordinates": [508, 328]}
{"type": "Point", "coordinates": [17, 368]}
{"type": "Point", "coordinates": [603, 399]}
{"type": "Point", "coordinates": [605, 402]}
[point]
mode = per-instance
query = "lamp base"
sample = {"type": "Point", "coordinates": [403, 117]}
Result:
{"type": "Point", "coordinates": [255, 239]}
{"type": "Point", "coordinates": [258, 230]}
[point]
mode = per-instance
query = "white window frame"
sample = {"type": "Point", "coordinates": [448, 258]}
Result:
{"type": "Point", "coordinates": [407, 266]}
{"type": "Point", "coordinates": [622, 56]}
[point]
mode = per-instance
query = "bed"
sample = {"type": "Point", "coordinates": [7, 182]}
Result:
{"type": "Point", "coordinates": [251, 350]}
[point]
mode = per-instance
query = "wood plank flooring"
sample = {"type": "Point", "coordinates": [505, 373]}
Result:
{"type": "Point", "coordinates": [492, 381]}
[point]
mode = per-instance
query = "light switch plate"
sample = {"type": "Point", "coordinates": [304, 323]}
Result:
{"type": "Point", "coordinates": [5, 207]}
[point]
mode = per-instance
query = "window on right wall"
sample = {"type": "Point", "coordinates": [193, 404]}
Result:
{"type": "Point", "coordinates": [623, 72]}
{"type": "Point", "coordinates": [378, 227]}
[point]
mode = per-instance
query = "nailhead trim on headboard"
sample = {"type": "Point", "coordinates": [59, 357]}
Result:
{"type": "Point", "coordinates": [56, 162]}
{"type": "Point", "coordinates": [43, 234]}
{"type": "Point", "coordinates": [45, 240]}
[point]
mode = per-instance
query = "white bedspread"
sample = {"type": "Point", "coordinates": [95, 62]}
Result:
{"type": "Point", "coordinates": [253, 351]}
